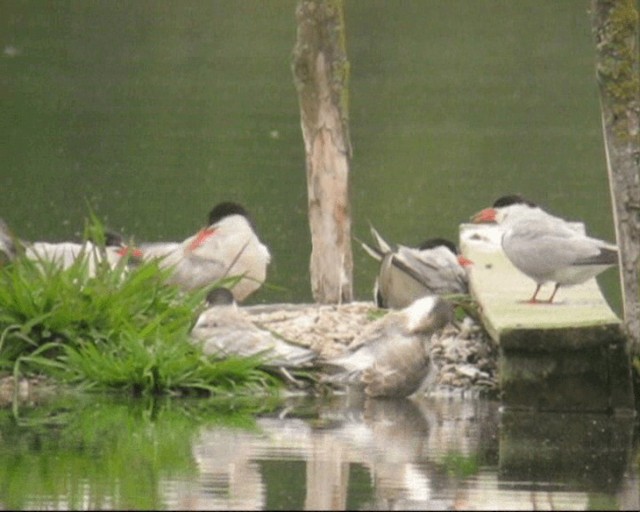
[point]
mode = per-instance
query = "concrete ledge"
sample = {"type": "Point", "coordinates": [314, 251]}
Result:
{"type": "Point", "coordinates": [567, 356]}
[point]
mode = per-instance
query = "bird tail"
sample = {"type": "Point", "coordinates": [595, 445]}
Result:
{"type": "Point", "coordinates": [381, 247]}
{"type": "Point", "coordinates": [374, 252]}
{"type": "Point", "coordinates": [300, 357]}
{"type": "Point", "coordinates": [606, 256]}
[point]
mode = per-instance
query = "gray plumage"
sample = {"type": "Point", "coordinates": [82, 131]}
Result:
{"type": "Point", "coordinates": [391, 358]}
{"type": "Point", "coordinates": [225, 330]}
{"type": "Point", "coordinates": [546, 248]}
{"type": "Point", "coordinates": [406, 273]}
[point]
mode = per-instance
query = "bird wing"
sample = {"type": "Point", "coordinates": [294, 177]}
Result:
{"type": "Point", "coordinates": [542, 246]}
{"type": "Point", "coordinates": [436, 269]}
{"type": "Point", "coordinates": [385, 359]}
{"type": "Point", "coordinates": [378, 330]}
{"type": "Point", "coordinates": [400, 367]}
{"type": "Point", "coordinates": [226, 331]}
{"type": "Point", "coordinates": [374, 252]}
{"type": "Point", "coordinates": [62, 254]}
{"type": "Point", "coordinates": [168, 252]}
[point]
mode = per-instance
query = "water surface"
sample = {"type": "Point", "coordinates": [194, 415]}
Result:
{"type": "Point", "coordinates": [153, 112]}
{"type": "Point", "coordinates": [335, 453]}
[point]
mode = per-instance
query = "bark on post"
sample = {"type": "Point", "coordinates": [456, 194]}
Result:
{"type": "Point", "coordinates": [615, 28]}
{"type": "Point", "coordinates": [320, 70]}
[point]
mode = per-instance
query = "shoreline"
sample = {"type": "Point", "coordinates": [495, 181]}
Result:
{"type": "Point", "coordinates": [464, 358]}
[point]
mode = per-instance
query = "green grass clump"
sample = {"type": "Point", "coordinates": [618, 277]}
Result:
{"type": "Point", "coordinates": [121, 328]}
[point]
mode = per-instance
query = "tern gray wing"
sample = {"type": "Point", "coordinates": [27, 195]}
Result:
{"type": "Point", "coordinates": [226, 331]}
{"type": "Point", "coordinates": [436, 269]}
{"type": "Point", "coordinates": [544, 249]}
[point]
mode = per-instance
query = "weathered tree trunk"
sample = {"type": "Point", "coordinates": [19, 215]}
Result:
{"type": "Point", "coordinates": [321, 70]}
{"type": "Point", "coordinates": [615, 28]}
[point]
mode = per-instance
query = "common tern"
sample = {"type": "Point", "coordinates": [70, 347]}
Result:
{"type": "Point", "coordinates": [406, 273]}
{"type": "Point", "coordinates": [226, 330]}
{"type": "Point", "coordinates": [545, 247]}
{"type": "Point", "coordinates": [227, 247]}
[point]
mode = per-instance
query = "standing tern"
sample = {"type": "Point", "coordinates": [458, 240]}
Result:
{"type": "Point", "coordinates": [546, 248]}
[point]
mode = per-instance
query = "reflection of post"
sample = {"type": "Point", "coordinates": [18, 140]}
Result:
{"type": "Point", "coordinates": [327, 475]}
{"type": "Point", "coordinates": [615, 28]}
{"type": "Point", "coordinates": [320, 71]}
{"type": "Point", "coordinates": [229, 477]}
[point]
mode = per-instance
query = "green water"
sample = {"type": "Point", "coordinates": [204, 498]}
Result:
{"type": "Point", "coordinates": [105, 453]}
{"type": "Point", "coordinates": [152, 112]}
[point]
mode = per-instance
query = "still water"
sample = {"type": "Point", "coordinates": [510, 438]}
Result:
{"type": "Point", "coordinates": [152, 112]}
{"type": "Point", "coordinates": [316, 454]}
{"type": "Point", "coordinates": [149, 113]}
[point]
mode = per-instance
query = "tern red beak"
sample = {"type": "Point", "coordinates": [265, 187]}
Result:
{"type": "Point", "coordinates": [485, 216]}
{"type": "Point", "coordinates": [200, 238]}
{"type": "Point", "coordinates": [131, 251]}
{"type": "Point", "coordinates": [464, 261]}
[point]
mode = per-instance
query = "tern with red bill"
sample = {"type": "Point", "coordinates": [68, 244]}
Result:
{"type": "Point", "coordinates": [406, 273]}
{"type": "Point", "coordinates": [227, 247]}
{"type": "Point", "coordinates": [547, 248]}
{"type": "Point", "coordinates": [62, 254]}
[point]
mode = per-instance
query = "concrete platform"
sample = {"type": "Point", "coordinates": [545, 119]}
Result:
{"type": "Point", "coordinates": [567, 356]}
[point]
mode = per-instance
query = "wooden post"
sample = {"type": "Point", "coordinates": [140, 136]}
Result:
{"type": "Point", "coordinates": [615, 29]}
{"type": "Point", "coordinates": [321, 70]}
